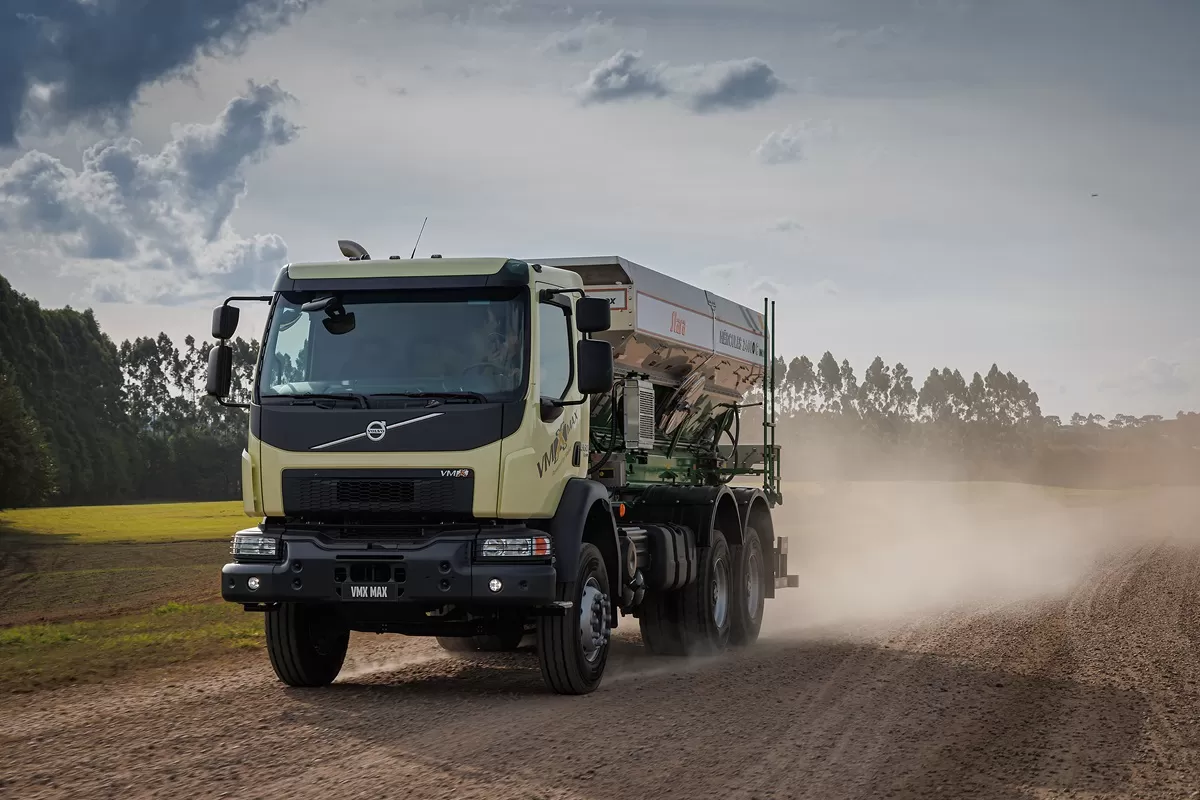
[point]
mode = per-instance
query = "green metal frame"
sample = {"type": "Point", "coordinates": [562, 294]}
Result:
{"type": "Point", "coordinates": [689, 461]}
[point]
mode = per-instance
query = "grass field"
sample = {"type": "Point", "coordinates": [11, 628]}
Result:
{"type": "Point", "coordinates": [156, 522]}
{"type": "Point", "coordinates": [87, 593]}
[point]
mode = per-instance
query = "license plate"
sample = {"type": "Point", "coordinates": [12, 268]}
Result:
{"type": "Point", "coordinates": [369, 591]}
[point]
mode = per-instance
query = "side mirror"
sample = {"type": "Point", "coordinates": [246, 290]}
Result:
{"type": "Point", "coordinates": [594, 361]}
{"type": "Point", "coordinates": [220, 370]}
{"type": "Point", "coordinates": [592, 314]}
{"type": "Point", "coordinates": [225, 322]}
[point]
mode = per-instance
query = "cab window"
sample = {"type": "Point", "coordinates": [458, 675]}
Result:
{"type": "Point", "coordinates": [554, 345]}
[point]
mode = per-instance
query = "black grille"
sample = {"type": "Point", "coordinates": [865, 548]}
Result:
{"type": "Point", "coordinates": [330, 495]}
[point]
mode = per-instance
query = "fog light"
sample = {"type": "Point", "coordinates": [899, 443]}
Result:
{"type": "Point", "coordinates": [495, 584]}
{"type": "Point", "coordinates": [252, 584]}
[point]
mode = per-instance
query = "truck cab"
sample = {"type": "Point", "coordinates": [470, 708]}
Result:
{"type": "Point", "coordinates": [418, 457]}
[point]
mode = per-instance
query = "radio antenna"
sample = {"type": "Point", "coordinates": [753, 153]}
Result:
{"type": "Point", "coordinates": [414, 252]}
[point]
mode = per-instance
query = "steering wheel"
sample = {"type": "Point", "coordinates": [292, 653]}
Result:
{"type": "Point", "coordinates": [485, 365]}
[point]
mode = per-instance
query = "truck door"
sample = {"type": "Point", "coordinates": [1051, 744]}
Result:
{"type": "Point", "coordinates": [559, 429]}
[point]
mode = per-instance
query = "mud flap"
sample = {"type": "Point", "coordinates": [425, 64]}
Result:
{"type": "Point", "coordinates": [782, 579]}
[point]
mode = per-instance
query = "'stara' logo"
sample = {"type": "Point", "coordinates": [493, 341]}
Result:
{"type": "Point", "coordinates": [376, 430]}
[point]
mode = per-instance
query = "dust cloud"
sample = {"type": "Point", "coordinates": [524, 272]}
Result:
{"type": "Point", "coordinates": [874, 557]}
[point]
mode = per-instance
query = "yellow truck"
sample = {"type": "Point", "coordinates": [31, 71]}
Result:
{"type": "Point", "coordinates": [485, 449]}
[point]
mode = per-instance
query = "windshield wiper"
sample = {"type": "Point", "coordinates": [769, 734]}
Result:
{"type": "Point", "coordinates": [313, 398]}
{"type": "Point", "coordinates": [474, 396]}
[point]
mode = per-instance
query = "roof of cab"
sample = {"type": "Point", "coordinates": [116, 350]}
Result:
{"type": "Point", "coordinates": [395, 268]}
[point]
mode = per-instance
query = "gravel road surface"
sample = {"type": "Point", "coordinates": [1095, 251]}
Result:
{"type": "Point", "coordinates": [1060, 677]}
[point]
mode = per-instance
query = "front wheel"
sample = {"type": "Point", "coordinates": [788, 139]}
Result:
{"type": "Point", "coordinates": [573, 649]}
{"type": "Point", "coordinates": [306, 643]}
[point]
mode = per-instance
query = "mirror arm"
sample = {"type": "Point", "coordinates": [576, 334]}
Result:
{"type": "Point", "coordinates": [222, 401]}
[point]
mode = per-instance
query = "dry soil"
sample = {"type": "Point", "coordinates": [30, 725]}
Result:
{"type": "Point", "coordinates": [1029, 649]}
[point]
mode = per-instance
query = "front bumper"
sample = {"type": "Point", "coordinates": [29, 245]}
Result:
{"type": "Point", "coordinates": [433, 572]}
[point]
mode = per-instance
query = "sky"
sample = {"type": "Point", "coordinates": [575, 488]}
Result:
{"type": "Point", "coordinates": [937, 182]}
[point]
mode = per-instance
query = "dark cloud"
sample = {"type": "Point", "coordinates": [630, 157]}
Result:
{"type": "Point", "coordinates": [735, 85]}
{"type": "Point", "coordinates": [161, 221]}
{"type": "Point", "coordinates": [64, 61]}
{"type": "Point", "coordinates": [622, 77]}
{"type": "Point", "coordinates": [786, 226]}
{"type": "Point", "coordinates": [704, 88]}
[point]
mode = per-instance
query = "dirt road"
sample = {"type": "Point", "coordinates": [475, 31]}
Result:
{"type": "Point", "coordinates": [1082, 683]}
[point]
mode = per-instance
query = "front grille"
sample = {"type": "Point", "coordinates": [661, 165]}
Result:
{"type": "Point", "coordinates": [332, 494]}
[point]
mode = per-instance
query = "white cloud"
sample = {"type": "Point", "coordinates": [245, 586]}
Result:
{"type": "Point", "coordinates": [791, 144]}
{"type": "Point", "coordinates": [590, 31]}
{"type": "Point", "coordinates": [156, 227]}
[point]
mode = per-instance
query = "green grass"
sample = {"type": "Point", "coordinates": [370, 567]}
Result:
{"type": "Point", "coordinates": [42, 656]}
{"type": "Point", "coordinates": [158, 522]}
{"type": "Point", "coordinates": [92, 592]}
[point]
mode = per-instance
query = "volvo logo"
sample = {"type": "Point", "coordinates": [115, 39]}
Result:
{"type": "Point", "coordinates": [376, 430]}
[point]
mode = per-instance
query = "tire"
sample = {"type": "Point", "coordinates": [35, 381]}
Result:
{"type": "Point", "coordinates": [506, 641]}
{"type": "Point", "coordinates": [686, 622]}
{"type": "Point", "coordinates": [659, 624]}
{"type": "Point", "coordinates": [705, 610]}
{"type": "Point", "coordinates": [567, 668]}
{"type": "Point", "coordinates": [306, 643]}
{"type": "Point", "coordinates": [749, 590]}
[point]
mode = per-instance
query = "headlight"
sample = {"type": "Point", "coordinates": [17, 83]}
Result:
{"type": "Point", "coordinates": [252, 544]}
{"type": "Point", "coordinates": [515, 547]}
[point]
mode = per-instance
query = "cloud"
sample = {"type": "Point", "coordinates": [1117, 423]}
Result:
{"type": "Point", "coordinates": [790, 144]}
{"type": "Point", "coordinates": [736, 85]}
{"type": "Point", "coordinates": [591, 30]}
{"type": "Point", "coordinates": [622, 77]}
{"type": "Point", "coordinates": [65, 61]}
{"type": "Point", "coordinates": [786, 226]}
{"type": "Point", "coordinates": [704, 88]}
{"type": "Point", "coordinates": [781, 147]}
{"type": "Point", "coordinates": [1156, 376]}
{"type": "Point", "coordinates": [161, 222]}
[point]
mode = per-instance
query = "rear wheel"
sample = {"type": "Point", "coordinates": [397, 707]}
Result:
{"type": "Point", "coordinates": [695, 620]}
{"type": "Point", "coordinates": [306, 643]}
{"type": "Point", "coordinates": [573, 649]}
{"type": "Point", "coordinates": [749, 595]}
{"type": "Point", "coordinates": [706, 612]}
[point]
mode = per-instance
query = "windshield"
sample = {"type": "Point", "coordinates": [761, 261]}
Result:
{"type": "Point", "coordinates": [412, 342]}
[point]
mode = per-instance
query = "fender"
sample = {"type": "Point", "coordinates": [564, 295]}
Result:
{"type": "Point", "coordinates": [696, 507]}
{"type": "Point", "coordinates": [566, 529]}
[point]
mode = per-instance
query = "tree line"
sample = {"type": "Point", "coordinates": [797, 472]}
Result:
{"type": "Point", "coordinates": [832, 424]}
{"type": "Point", "coordinates": [84, 420]}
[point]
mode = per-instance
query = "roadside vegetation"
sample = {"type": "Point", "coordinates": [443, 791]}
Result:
{"type": "Point", "coordinates": [93, 592]}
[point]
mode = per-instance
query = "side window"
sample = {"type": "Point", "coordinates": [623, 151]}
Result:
{"type": "Point", "coordinates": [554, 344]}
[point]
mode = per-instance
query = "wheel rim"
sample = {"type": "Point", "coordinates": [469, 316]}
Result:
{"type": "Point", "coordinates": [720, 592]}
{"type": "Point", "coordinates": [754, 585]}
{"type": "Point", "coordinates": [593, 620]}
